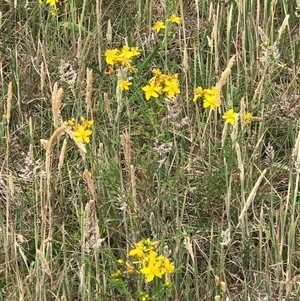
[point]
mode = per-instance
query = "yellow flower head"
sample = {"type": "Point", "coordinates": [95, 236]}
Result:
{"type": "Point", "coordinates": [158, 26]}
{"type": "Point", "coordinates": [135, 51]}
{"type": "Point", "coordinates": [167, 266]}
{"type": "Point", "coordinates": [199, 92]}
{"type": "Point", "coordinates": [126, 52]}
{"type": "Point", "coordinates": [81, 131]}
{"type": "Point", "coordinates": [152, 270]}
{"type": "Point", "coordinates": [171, 87]}
{"type": "Point", "coordinates": [124, 85]}
{"type": "Point", "coordinates": [210, 102]}
{"type": "Point", "coordinates": [81, 134]}
{"type": "Point", "coordinates": [247, 118]}
{"type": "Point", "coordinates": [156, 72]}
{"type": "Point", "coordinates": [174, 19]}
{"type": "Point", "coordinates": [152, 90]}
{"type": "Point", "coordinates": [230, 116]}
{"type": "Point", "coordinates": [52, 2]}
{"type": "Point", "coordinates": [111, 56]}
{"type": "Point", "coordinates": [137, 252]}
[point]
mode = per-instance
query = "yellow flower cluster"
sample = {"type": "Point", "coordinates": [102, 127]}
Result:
{"type": "Point", "coordinates": [121, 58]}
{"type": "Point", "coordinates": [148, 262]}
{"type": "Point", "coordinates": [161, 25]}
{"type": "Point", "coordinates": [151, 264]}
{"type": "Point", "coordinates": [81, 131]}
{"type": "Point", "coordinates": [52, 4]}
{"type": "Point", "coordinates": [210, 96]}
{"type": "Point", "coordinates": [211, 100]}
{"type": "Point", "coordinates": [230, 117]}
{"type": "Point", "coordinates": [160, 83]}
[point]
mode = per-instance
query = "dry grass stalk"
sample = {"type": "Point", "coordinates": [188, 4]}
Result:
{"type": "Point", "coordinates": [89, 90]}
{"type": "Point", "coordinates": [108, 108]}
{"type": "Point", "coordinates": [250, 198]}
{"type": "Point", "coordinates": [185, 64]}
{"type": "Point", "coordinates": [152, 224]}
{"type": "Point", "coordinates": [48, 145]}
{"type": "Point", "coordinates": [126, 143]}
{"type": "Point", "coordinates": [99, 31]}
{"type": "Point", "coordinates": [91, 228]}
{"type": "Point", "coordinates": [88, 177]}
{"type": "Point", "coordinates": [44, 263]}
{"type": "Point", "coordinates": [11, 185]}
{"type": "Point", "coordinates": [62, 155]}
{"type": "Point", "coordinates": [242, 112]}
{"type": "Point", "coordinates": [224, 133]}
{"type": "Point", "coordinates": [189, 247]}
{"type": "Point", "coordinates": [240, 162]}
{"type": "Point", "coordinates": [215, 38]}
{"type": "Point", "coordinates": [223, 79]}
{"type": "Point", "coordinates": [43, 77]}
{"type": "Point", "coordinates": [282, 28]}
{"type": "Point", "coordinates": [133, 186]}
{"type": "Point", "coordinates": [8, 102]}
{"type": "Point", "coordinates": [296, 148]}
{"type": "Point", "coordinates": [121, 74]}
{"type": "Point", "coordinates": [56, 104]}
{"type": "Point", "coordinates": [31, 138]}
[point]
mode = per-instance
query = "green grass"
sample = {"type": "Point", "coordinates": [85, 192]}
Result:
{"type": "Point", "coordinates": [221, 200]}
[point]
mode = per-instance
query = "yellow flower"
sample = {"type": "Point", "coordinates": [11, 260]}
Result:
{"type": "Point", "coordinates": [230, 116]}
{"type": "Point", "coordinates": [167, 266]}
{"type": "Point", "coordinates": [117, 274]}
{"type": "Point", "coordinates": [111, 55]}
{"type": "Point", "coordinates": [152, 270]}
{"type": "Point", "coordinates": [81, 134]}
{"type": "Point", "coordinates": [199, 92]}
{"type": "Point", "coordinates": [210, 102]}
{"type": "Point", "coordinates": [156, 72]}
{"type": "Point", "coordinates": [52, 2]}
{"type": "Point", "coordinates": [135, 51]}
{"type": "Point", "coordinates": [247, 118]}
{"type": "Point", "coordinates": [86, 123]}
{"type": "Point", "coordinates": [158, 26]}
{"type": "Point", "coordinates": [174, 19]}
{"type": "Point", "coordinates": [126, 52]}
{"type": "Point", "coordinates": [81, 131]}
{"type": "Point", "coordinates": [143, 296]}
{"type": "Point", "coordinates": [137, 252]}
{"type": "Point", "coordinates": [124, 85]}
{"type": "Point", "coordinates": [171, 87]}
{"type": "Point", "coordinates": [71, 122]}
{"type": "Point", "coordinates": [152, 90]}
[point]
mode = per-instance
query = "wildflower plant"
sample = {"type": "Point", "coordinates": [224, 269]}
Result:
{"type": "Point", "coordinates": [81, 131]}
{"type": "Point", "coordinates": [145, 262]}
{"type": "Point", "coordinates": [230, 116]}
{"type": "Point", "coordinates": [210, 97]}
{"type": "Point", "coordinates": [53, 4]}
{"type": "Point", "coordinates": [121, 58]}
{"type": "Point", "coordinates": [162, 84]}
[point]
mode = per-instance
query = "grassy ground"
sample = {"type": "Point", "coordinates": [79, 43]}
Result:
{"type": "Point", "coordinates": [220, 201]}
